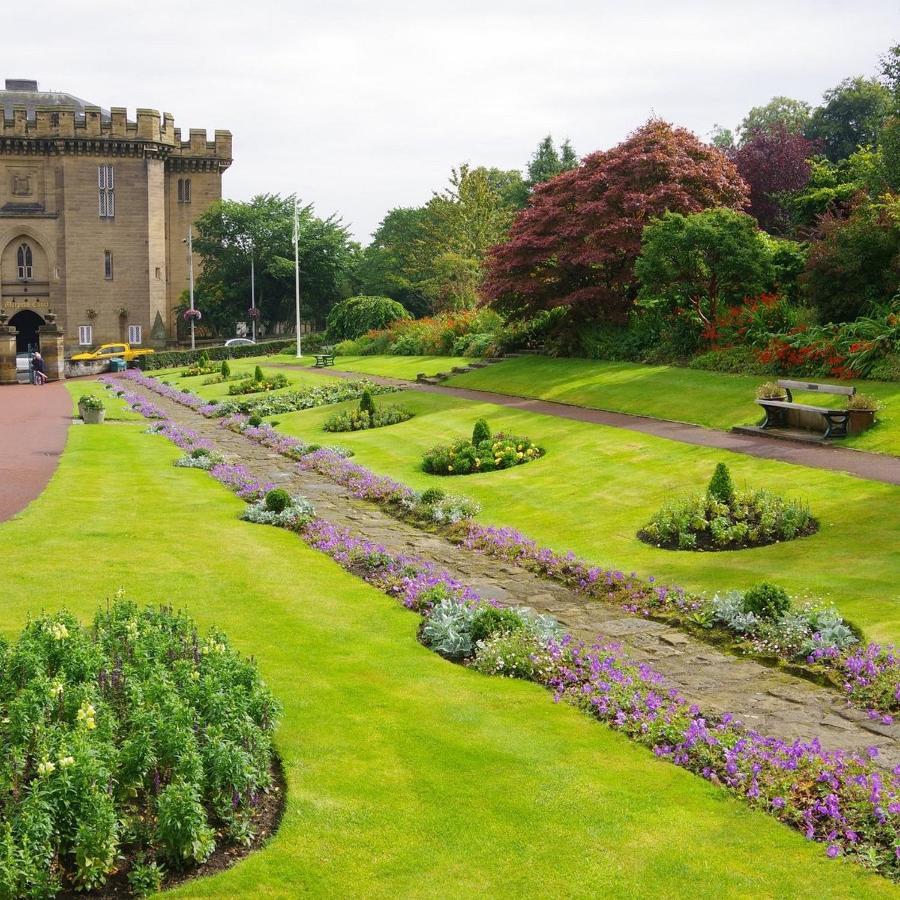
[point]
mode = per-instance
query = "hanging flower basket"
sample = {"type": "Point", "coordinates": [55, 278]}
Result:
{"type": "Point", "coordinates": [122, 312]}
{"type": "Point", "coordinates": [194, 314]}
{"type": "Point", "coordinates": [253, 313]}
{"type": "Point", "coordinates": [91, 313]}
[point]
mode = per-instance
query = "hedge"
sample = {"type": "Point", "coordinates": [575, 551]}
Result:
{"type": "Point", "coordinates": [168, 359]}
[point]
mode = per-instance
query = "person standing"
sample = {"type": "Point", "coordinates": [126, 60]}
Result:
{"type": "Point", "coordinates": [39, 369]}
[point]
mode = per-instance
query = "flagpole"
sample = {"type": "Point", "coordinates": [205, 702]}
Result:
{"type": "Point", "coordinates": [253, 296]}
{"type": "Point", "coordinates": [190, 243]}
{"type": "Point", "coordinates": [297, 273]}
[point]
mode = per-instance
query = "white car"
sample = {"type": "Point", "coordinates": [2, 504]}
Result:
{"type": "Point", "coordinates": [239, 342]}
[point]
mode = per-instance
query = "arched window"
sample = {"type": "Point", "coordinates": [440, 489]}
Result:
{"type": "Point", "coordinates": [24, 268]}
{"type": "Point", "coordinates": [184, 190]}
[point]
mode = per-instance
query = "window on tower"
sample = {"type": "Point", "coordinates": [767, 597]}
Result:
{"type": "Point", "coordinates": [24, 259]}
{"type": "Point", "coordinates": [184, 190]}
{"type": "Point", "coordinates": [106, 189]}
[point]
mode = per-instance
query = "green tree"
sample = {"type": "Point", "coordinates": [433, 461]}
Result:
{"type": "Point", "coordinates": [230, 233]}
{"type": "Point", "coordinates": [890, 73]}
{"type": "Point", "coordinates": [850, 117]}
{"type": "Point", "coordinates": [722, 138]}
{"type": "Point", "coordinates": [702, 261]}
{"type": "Point", "coordinates": [354, 316]}
{"type": "Point", "coordinates": [547, 162]}
{"type": "Point", "coordinates": [780, 112]}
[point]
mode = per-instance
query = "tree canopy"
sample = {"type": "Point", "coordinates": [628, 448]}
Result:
{"type": "Point", "coordinates": [230, 233]}
{"type": "Point", "coordinates": [355, 316]}
{"type": "Point", "coordinates": [576, 243]}
{"type": "Point", "coordinates": [547, 162]}
{"type": "Point", "coordinates": [779, 114]}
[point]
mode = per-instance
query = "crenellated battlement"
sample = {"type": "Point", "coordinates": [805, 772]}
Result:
{"type": "Point", "coordinates": [62, 129]}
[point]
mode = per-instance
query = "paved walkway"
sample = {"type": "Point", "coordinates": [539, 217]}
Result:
{"type": "Point", "coordinates": [771, 701]}
{"type": "Point", "coordinates": [871, 466]}
{"type": "Point", "coordinates": [34, 422]}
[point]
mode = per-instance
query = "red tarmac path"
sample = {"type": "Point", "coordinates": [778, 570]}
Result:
{"type": "Point", "coordinates": [34, 424]}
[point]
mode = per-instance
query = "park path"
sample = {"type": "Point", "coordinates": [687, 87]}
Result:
{"type": "Point", "coordinates": [862, 464]}
{"type": "Point", "coordinates": [771, 701]}
{"type": "Point", "coordinates": [34, 423]}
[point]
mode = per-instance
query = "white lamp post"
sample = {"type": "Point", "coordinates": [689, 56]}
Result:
{"type": "Point", "coordinates": [253, 296]}
{"type": "Point", "coordinates": [297, 273]}
{"type": "Point", "coordinates": [190, 243]}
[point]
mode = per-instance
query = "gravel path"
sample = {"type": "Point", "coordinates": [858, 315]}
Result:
{"type": "Point", "coordinates": [766, 699]}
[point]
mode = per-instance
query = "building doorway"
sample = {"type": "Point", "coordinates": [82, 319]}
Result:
{"type": "Point", "coordinates": [26, 322]}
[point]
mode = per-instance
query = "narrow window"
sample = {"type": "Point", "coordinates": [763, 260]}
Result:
{"type": "Point", "coordinates": [106, 188]}
{"type": "Point", "coordinates": [135, 335]}
{"type": "Point", "coordinates": [158, 273]}
{"type": "Point", "coordinates": [107, 265]}
{"type": "Point", "coordinates": [24, 269]}
{"type": "Point", "coordinates": [85, 335]}
{"type": "Point", "coordinates": [54, 120]}
{"type": "Point", "coordinates": [184, 190]}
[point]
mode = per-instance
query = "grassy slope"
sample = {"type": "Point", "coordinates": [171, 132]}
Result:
{"type": "Point", "coordinates": [407, 775]}
{"type": "Point", "coordinates": [686, 395]}
{"type": "Point", "coordinates": [396, 366]}
{"type": "Point", "coordinates": [597, 486]}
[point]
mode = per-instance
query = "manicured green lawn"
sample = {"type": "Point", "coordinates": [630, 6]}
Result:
{"type": "Point", "coordinates": [712, 399]}
{"type": "Point", "coordinates": [395, 366]}
{"type": "Point", "coordinates": [407, 776]}
{"type": "Point", "coordinates": [597, 486]}
{"type": "Point", "coordinates": [116, 408]}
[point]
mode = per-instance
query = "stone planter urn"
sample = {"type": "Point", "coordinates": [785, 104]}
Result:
{"type": "Point", "coordinates": [50, 317]}
{"type": "Point", "coordinates": [860, 420]}
{"type": "Point", "coordinates": [92, 416]}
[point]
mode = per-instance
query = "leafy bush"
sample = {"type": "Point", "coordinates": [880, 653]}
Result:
{"type": "Point", "coordinates": [278, 500]}
{"type": "Point", "coordinates": [200, 458]}
{"type": "Point", "coordinates": [258, 384]}
{"type": "Point", "coordinates": [358, 420]}
{"type": "Point", "coordinates": [366, 403]}
{"type": "Point", "coordinates": [353, 317]}
{"type": "Point", "coordinates": [448, 628]}
{"type": "Point", "coordinates": [701, 522]}
{"type": "Point", "coordinates": [864, 402]}
{"type": "Point", "coordinates": [767, 601]}
{"type": "Point", "coordinates": [734, 360]}
{"type": "Point", "coordinates": [201, 368]}
{"type": "Point", "coordinates": [517, 653]}
{"type": "Point", "coordinates": [90, 401]}
{"type": "Point", "coordinates": [436, 507]}
{"type": "Point", "coordinates": [134, 738]}
{"type": "Point", "coordinates": [225, 370]}
{"type": "Point", "coordinates": [465, 458]}
{"type": "Point", "coordinates": [770, 390]}
{"type": "Point", "coordinates": [433, 495]}
{"type": "Point", "coordinates": [296, 513]}
{"type": "Point", "coordinates": [721, 487]}
{"type": "Point", "coordinates": [481, 432]}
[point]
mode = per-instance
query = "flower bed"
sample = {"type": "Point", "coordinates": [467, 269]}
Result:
{"type": "Point", "coordinates": [358, 420]}
{"type": "Point", "coordinates": [258, 385]}
{"type": "Point", "coordinates": [726, 519]}
{"type": "Point", "coordinates": [280, 509]}
{"type": "Point", "coordinates": [484, 452]}
{"type": "Point", "coordinates": [129, 749]}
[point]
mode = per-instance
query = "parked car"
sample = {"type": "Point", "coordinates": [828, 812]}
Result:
{"type": "Point", "coordinates": [112, 351]}
{"type": "Point", "coordinates": [239, 342]}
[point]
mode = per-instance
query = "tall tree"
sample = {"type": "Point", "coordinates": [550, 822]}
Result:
{"type": "Point", "coordinates": [850, 117]}
{"type": "Point", "coordinates": [779, 114]}
{"type": "Point", "coordinates": [547, 162]}
{"type": "Point", "coordinates": [890, 74]}
{"type": "Point", "coordinates": [230, 233]}
{"type": "Point", "coordinates": [773, 161]}
{"type": "Point", "coordinates": [576, 243]}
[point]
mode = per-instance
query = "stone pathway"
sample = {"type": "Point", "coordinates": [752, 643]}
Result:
{"type": "Point", "coordinates": [34, 423]}
{"type": "Point", "coordinates": [871, 466]}
{"type": "Point", "coordinates": [770, 701]}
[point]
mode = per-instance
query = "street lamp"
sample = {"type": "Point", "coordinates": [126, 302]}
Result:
{"type": "Point", "coordinates": [253, 295]}
{"type": "Point", "coordinates": [190, 248]}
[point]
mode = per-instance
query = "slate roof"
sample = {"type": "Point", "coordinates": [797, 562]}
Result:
{"type": "Point", "coordinates": [22, 92]}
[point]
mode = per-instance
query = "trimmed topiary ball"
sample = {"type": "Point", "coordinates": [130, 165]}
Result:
{"type": "Point", "coordinates": [278, 500]}
{"type": "Point", "coordinates": [433, 495]}
{"type": "Point", "coordinates": [767, 601]}
{"type": "Point", "coordinates": [721, 486]}
{"type": "Point", "coordinates": [481, 432]}
{"type": "Point", "coordinates": [254, 421]}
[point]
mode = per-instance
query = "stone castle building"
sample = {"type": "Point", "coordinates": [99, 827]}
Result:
{"type": "Point", "coordinates": [94, 212]}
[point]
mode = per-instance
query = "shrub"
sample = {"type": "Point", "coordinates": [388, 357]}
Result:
{"type": "Point", "coordinates": [489, 621]}
{"type": "Point", "coordinates": [353, 317]}
{"type": "Point", "coordinates": [448, 629]}
{"type": "Point", "coordinates": [436, 507]}
{"type": "Point", "coordinates": [702, 522]}
{"type": "Point", "coordinates": [258, 374]}
{"type": "Point", "coordinates": [136, 739]}
{"type": "Point", "coordinates": [767, 601]}
{"type": "Point", "coordinates": [359, 420]}
{"type": "Point", "coordinates": [225, 370]}
{"type": "Point", "coordinates": [278, 500]}
{"type": "Point", "coordinates": [294, 513]}
{"type": "Point", "coordinates": [720, 485]}
{"type": "Point", "coordinates": [481, 432]}
{"type": "Point", "coordinates": [170, 359]}
{"type": "Point", "coordinates": [770, 390]}
{"type": "Point", "coordinates": [465, 458]}
{"type": "Point", "coordinates": [255, 421]}
{"type": "Point", "coordinates": [517, 653]}
{"type": "Point", "coordinates": [90, 401]}
{"type": "Point", "coordinates": [366, 403]}
{"type": "Point", "coordinates": [258, 384]}
{"type": "Point", "coordinates": [433, 495]}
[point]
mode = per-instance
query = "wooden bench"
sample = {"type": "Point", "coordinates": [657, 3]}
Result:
{"type": "Point", "coordinates": [786, 413]}
{"type": "Point", "coordinates": [324, 359]}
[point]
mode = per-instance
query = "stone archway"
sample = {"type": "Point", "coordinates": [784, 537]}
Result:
{"type": "Point", "coordinates": [26, 322]}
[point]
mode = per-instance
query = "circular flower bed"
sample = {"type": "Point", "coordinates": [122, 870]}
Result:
{"type": "Point", "coordinates": [484, 452]}
{"type": "Point", "coordinates": [727, 519]}
{"type": "Point", "coordinates": [130, 750]}
{"type": "Point", "coordinates": [366, 415]}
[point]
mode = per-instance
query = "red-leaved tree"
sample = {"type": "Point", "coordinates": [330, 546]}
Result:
{"type": "Point", "coordinates": [772, 162]}
{"type": "Point", "coordinates": [576, 242]}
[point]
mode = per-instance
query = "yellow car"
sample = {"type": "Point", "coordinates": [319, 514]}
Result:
{"type": "Point", "coordinates": [112, 351]}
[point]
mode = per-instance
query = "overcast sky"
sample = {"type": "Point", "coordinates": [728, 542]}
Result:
{"type": "Point", "coordinates": [363, 106]}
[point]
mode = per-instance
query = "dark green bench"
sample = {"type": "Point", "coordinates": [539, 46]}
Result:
{"type": "Point", "coordinates": [324, 359]}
